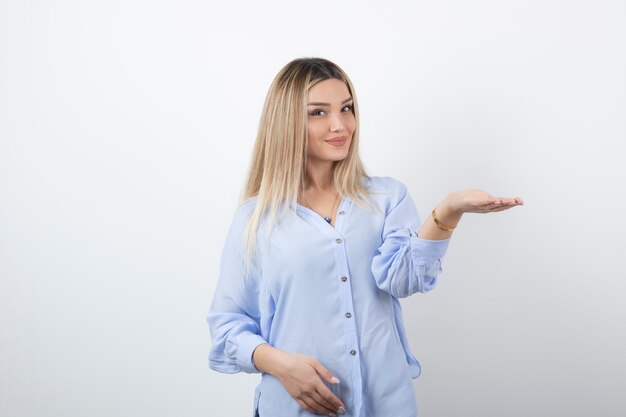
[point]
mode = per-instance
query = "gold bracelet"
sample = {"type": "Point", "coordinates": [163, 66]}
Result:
{"type": "Point", "coordinates": [439, 225]}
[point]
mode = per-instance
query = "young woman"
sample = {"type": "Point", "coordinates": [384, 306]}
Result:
{"type": "Point", "coordinates": [318, 254]}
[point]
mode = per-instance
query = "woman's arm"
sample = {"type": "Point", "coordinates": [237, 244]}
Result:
{"type": "Point", "coordinates": [234, 315]}
{"type": "Point", "coordinates": [408, 261]}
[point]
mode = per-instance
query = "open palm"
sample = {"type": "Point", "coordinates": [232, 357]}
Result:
{"type": "Point", "coordinates": [478, 201]}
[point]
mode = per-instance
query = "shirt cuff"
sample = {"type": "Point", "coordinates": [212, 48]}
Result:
{"type": "Point", "coordinates": [247, 342]}
{"type": "Point", "coordinates": [428, 250]}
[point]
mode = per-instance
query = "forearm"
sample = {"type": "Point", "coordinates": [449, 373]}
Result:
{"type": "Point", "coordinates": [268, 359]}
{"type": "Point", "coordinates": [446, 215]}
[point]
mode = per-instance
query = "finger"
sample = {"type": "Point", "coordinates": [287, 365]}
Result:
{"type": "Point", "coordinates": [324, 372]}
{"type": "Point", "coordinates": [327, 402]}
{"type": "Point", "coordinates": [486, 208]}
{"type": "Point", "coordinates": [506, 202]}
{"type": "Point", "coordinates": [330, 399]}
{"type": "Point", "coordinates": [512, 201]}
{"type": "Point", "coordinates": [316, 407]}
{"type": "Point", "coordinates": [304, 405]}
{"type": "Point", "coordinates": [500, 209]}
{"type": "Point", "coordinates": [478, 205]}
{"type": "Point", "coordinates": [323, 402]}
{"type": "Point", "coordinates": [495, 204]}
{"type": "Point", "coordinates": [327, 375]}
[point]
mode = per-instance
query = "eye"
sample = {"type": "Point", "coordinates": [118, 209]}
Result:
{"type": "Point", "coordinates": [349, 107]}
{"type": "Point", "coordinates": [317, 112]}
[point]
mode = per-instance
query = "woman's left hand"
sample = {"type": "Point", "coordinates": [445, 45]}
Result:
{"type": "Point", "coordinates": [451, 209]}
{"type": "Point", "coordinates": [478, 201]}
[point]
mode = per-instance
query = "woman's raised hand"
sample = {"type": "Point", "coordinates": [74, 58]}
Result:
{"type": "Point", "coordinates": [478, 201]}
{"type": "Point", "coordinates": [301, 376]}
{"type": "Point", "coordinates": [451, 209]}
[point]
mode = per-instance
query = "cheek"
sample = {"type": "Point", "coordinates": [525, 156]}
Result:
{"type": "Point", "coordinates": [315, 132]}
{"type": "Point", "coordinates": [351, 124]}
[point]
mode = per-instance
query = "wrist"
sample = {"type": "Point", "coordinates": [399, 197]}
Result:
{"type": "Point", "coordinates": [269, 359]}
{"type": "Point", "coordinates": [448, 213]}
{"type": "Point", "coordinates": [449, 206]}
{"type": "Point", "coordinates": [279, 363]}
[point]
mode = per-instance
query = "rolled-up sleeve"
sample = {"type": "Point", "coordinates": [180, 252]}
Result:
{"type": "Point", "coordinates": [406, 263]}
{"type": "Point", "coordinates": [233, 317]}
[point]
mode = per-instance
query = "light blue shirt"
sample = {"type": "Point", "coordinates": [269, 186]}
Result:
{"type": "Point", "coordinates": [331, 293]}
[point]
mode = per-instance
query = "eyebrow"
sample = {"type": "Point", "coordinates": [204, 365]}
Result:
{"type": "Point", "coordinates": [315, 103]}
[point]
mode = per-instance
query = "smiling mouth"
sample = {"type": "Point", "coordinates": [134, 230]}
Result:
{"type": "Point", "coordinates": [339, 140]}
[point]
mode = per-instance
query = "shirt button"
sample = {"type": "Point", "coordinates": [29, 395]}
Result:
{"type": "Point", "coordinates": [348, 315]}
{"type": "Point", "coordinates": [342, 212]}
{"type": "Point", "coordinates": [338, 241]}
{"type": "Point", "coordinates": [344, 278]}
{"type": "Point", "coordinates": [353, 352]}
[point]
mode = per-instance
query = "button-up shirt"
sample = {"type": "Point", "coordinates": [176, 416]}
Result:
{"type": "Point", "coordinates": [331, 293]}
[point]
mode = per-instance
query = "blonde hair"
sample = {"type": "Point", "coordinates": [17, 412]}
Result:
{"type": "Point", "coordinates": [278, 165]}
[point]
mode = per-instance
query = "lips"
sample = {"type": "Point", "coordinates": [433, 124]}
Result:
{"type": "Point", "coordinates": [339, 140]}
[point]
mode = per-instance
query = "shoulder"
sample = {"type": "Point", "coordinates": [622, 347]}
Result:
{"type": "Point", "coordinates": [246, 207]}
{"type": "Point", "coordinates": [386, 185]}
{"type": "Point", "coordinates": [241, 216]}
{"type": "Point", "coordinates": [388, 192]}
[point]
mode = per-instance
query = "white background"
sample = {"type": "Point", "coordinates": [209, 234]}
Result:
{"type": "Point", "coordinates": [126, 129]}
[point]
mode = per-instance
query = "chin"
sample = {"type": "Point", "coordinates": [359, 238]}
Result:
{"type": "Point", "coordinates": [339, 158]}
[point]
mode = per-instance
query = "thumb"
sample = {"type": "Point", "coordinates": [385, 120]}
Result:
{"type": "Point", "coordinates": [325, 373]}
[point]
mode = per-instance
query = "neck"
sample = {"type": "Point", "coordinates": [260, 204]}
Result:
{"type": "Point", "coordinates": [319, 175]}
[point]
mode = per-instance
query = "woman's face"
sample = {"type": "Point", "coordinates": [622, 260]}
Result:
{"type": "Point", "coordinates": [331, 121]}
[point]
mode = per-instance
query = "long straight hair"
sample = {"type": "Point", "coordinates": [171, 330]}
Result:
{"type": "Point", "coordinates": [277, 171]}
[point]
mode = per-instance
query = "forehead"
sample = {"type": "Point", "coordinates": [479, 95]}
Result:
{"type": "Point", "coordinates": [330, 90]}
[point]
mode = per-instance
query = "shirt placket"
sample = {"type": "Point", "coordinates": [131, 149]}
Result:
{"type": "Point", "coordinates": [347, 315]}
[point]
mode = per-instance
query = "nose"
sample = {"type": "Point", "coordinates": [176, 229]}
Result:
{"type": "Point", "coordinates": [336, 124]}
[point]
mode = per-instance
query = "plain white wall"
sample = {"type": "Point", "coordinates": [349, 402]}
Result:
{"type": "Point", "coordinates": [125, 133]}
